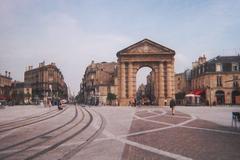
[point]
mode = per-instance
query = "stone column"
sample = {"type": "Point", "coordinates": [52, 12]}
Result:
{"type": "Point", "coordinates": [156, 83]}
{"type": "Point", "coordinates": [169, 81]}
{"type": "Point", "coordinates": [119, 82]}
{"type": "Point", "coordinates": [123, 83]}
{"type": "Point", "coordinates": [130, 81]}
{"type": "Point", "coordinates": [161, 85]}
{"type": "Point", "coordinates": [134, 71]}
{"type": "Point", "coordinates": [173, 80]}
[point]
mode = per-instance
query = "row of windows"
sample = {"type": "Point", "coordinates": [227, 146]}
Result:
{"type": "Point", "coordinates": [234, 81]}
{"type": "Point", "coordinates": [215, 67]}
{"type": "Point", "coordinates": [219, 82]}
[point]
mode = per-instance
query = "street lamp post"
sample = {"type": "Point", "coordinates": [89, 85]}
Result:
{"type": "Point", "coordinates": [210, 91]}
{"type": "Point", "coordinates": [210, 100]}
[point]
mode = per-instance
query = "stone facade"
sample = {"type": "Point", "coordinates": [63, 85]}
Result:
{"type": "Point", "coordinates": [47, 82]}
{"type": "Point", "coordinates": [5, 86]}
{"type": "Point", "coordinates": [141, 54]}
{"type": "Point", "coordinates": [216, 80]}
{"type": "Point", "coordinates": [219, 77]}
{"type": "Point", "coordinates": [149, 88]}
{"type": "Point", "coordinates": [21, 93]}
{"type": "Point", "coordinates": [120, 78]}
{"type": "Point", "coordinates": [99, 80]}
{"type": "Point", "coordinates": [183, 81]}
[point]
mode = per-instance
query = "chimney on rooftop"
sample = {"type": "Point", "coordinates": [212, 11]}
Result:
{"type": "Point", "coordinates": [42, 64]}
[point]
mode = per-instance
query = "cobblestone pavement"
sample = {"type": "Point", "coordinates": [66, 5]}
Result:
{"type": "Point", "coordinates": [196, 139]}
{"type": "Point", "coordinates": [128, 133]}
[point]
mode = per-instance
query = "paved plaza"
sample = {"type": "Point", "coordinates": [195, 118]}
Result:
{"type": "Point", "coordinates": [114, 133]}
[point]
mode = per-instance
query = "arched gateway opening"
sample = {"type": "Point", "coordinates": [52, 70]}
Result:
{"type": "Point", "coordinates": [146, 53]}
{"type": "Point", "coordinates": [145, 86]}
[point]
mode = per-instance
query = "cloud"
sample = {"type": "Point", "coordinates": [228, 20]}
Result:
{"type": "Point", "coordinates": [59, 38]}
{"type": "Point", "coordinates": [74, 33]}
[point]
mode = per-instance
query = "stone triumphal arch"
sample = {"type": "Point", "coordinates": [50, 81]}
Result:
{"type": "Point", "coordinates": [142, 54]}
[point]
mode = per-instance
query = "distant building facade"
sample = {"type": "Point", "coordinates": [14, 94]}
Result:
{"type": "Point", "coordinates": [5, 86]}
{"type": "Point", "coordinates": [180, 82]}
{"type": "Point", "coordinates": [183, 81]}
{"type": "Point", "coordinates": [99, 80]}
{"type": "Point", "coordinates": [219, 78]}
{"type": "Point", "coordinates": [216, 81]}
{"type": "Point", "coordinates": [141, 95]}
{"type": "Point", "coordinates": [21, 93]}
{"type": "Point", "coordinates": [149, 89]}
{"type": "Point", "coordinates": [47, 82]}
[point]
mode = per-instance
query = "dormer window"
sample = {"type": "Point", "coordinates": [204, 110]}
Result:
{"type": "Point", "coordinates": [234, 67]}
{"type": "Point", "coordinates": [218, 67]}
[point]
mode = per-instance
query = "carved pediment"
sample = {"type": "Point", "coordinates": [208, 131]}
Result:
{"type": "Point", "coordinates": [146, 47]}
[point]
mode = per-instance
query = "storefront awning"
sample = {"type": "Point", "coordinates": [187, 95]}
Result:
{"type": "Point", "coordinates": [3, 97]}
{"type": "Point", "coordinates": [198, 92]}
{"type": "Point", "coordinates": [191, 95]}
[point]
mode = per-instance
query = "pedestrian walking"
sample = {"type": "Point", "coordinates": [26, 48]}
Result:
{"type": "Point", "coordinates": [172, 106]}
{"type": "Point", "coordinates": [60, 105]}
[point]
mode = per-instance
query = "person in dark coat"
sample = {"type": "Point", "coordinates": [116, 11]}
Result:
{"type": "Point", "coordinates": [60, 105]}
{"type": "Point", "coordinates": [172, 106]}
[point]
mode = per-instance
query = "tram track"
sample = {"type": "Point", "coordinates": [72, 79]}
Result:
{"type": "Point", "coordinates": [40, 135]}
{"type": "Point", "coordinates": [91, 138]}
{"type": "Point", "coordinates": [22, 119]}
{"type": "Point", "coordinates": [65, 132]}
{"type": "Point", "coordinates": [30, 122]}
{"type": "Point", "coordinates": [62, 141]}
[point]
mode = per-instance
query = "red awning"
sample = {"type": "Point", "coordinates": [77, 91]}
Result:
{"type": "Point", "coordinates": [3, 97]}
{"type": "Point", "coordinates": [198, 92]}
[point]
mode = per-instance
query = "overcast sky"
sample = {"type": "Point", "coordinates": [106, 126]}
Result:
{"type": "Point", "coordinates": [72, 33]}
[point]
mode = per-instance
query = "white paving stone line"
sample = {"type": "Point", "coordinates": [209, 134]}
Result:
{"type": "Point", "coordinates": [189, 127]}
{"type": "Point", "coordinates": [164, 114]}
{"type": "Point", "coordinates": [140, 118]}
{"type": "Point", "coordinates": [212, 130]}
{"type": "Point", "coordinates": [155, 150]}
{"type": "Point", "coordinates": [112, 137]}
{"type": "Point", "coordinates": [160, 129]}
{"type": "Point", "coordinates": [138, 145]}
{"type": "Point", "coordinates": [178, 116]}
{"type": "Point", "coordinates": [145, 147]}
{"type": "Point", "coordinates": [156, 114]}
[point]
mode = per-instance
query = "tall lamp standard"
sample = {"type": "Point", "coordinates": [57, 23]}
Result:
{"type": "Point", "coordinates": [210, 100]}
{"type": "Point", "coordinates": [210, 90]}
